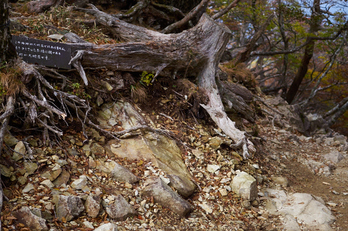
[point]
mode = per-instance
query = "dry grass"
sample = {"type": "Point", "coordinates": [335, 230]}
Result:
{"type": "Point", "coordinates": [10, 81]}
{"type": "Point", "coordinates": [138, 93]}
{"type": "Point", "coordinates": [240, 73]}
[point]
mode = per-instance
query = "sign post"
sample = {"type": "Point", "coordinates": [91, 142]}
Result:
{"type": "Point", "coordinates": [43, 52]}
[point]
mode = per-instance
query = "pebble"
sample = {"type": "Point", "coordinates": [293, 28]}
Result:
{"type": "Point", "coordinates": [213, 168]}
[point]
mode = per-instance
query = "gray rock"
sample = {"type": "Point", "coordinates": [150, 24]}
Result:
{"type": "Point", "coordinates": [97, 149]}
{"type": "Point", "coordinates": [52, 174]}
{"type": "Point", "coordinates": [30, 168]}
{"type": "Point", "coordinates": [47, 183]}
{"type": "Point", "coordinates": [19, 151]}
{"type": "Point", "coordinates": [121, 173]}
{"type": "Point", "coordinates": [283, 181]}
{"type": "Point", "coordinates": [93, 205]}
{"type": "Point", "coordinates": [162, 151]}
{"type": "Point", "coordinates": [215, 142]}
{"type": "Point", "coordinates": [107, 227]}
{"type": "Point", "coordinates": [244, 185]}
{"type": "Point", "coordinates": [301, 208]}
{"type": "Point", "coordinates": [63, 178]}
{"type": "Point", "coordinates": [165, 196]}
{"type": "Point", "coordinates": [79, 183]}
{"type": "Point", "coordinates": [5, 171]}
{"type": "Point", "coordinates": [334, 157]}
{"type": "Point", "coordinates": [26, 217]}
{"type": "Point", "coordinates": [10, 140]}
{"type": "Point", "coordinates": [68, 207]}
{"type": "Point", "coordinates": [118, 208]}
{"type": "Point", "coordinates": [28, 188]}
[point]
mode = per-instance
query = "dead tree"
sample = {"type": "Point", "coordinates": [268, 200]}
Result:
{"type": "Point", "coordinates": [197, 50]}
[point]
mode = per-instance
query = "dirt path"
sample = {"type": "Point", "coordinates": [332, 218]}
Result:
{"type": "Point", "coordinates": [289, 152]}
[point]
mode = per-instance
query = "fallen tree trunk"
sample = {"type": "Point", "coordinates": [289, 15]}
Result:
{"type": "Point", "coordinates": [196, 51]}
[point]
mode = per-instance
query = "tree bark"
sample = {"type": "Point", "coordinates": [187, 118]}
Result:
{"type": "Point", "coordinates": [197, 50]}
{"type": "Point", "coordinates": [7, 50]}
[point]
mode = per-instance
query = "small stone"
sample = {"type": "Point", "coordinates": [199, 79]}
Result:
{"type": "Point", "coordinates": [107, 227]}
{"type": "Point", "coordinates": [283, 181]}
{"type": "Point", "coordinates": [88, 224]}
{"type": "Point", "coordinates": [48, 183]}
{"type": "Point", "coordinates": [30, 168]}
{"type": "Point", "coordinates": [223, 192]}
{"type": "Point", "coordinates": [93, 206]}
{"type": "Point", "coordinates": [119, 209]}
{"type": "Point", "coordinates": [10, 140]}
{"type": "Point", "coordinates": [331, 204]}
{"type": "Point", "coordinates": [26, 217]}
{"type": "Point", "coordinates": [246, 204]}
{"type": "Point", "coordinates": [68, 207]}
{"type": "Point", "coordinates": [19, 151]}
{"type": "Point", "coordinates": [244, 185]}
{"type": "Point", "coordinates": [213, 168]}
{"type": "Point", "coordinates": [22, 180]}
{"type": "Point", "coordinates": [62, 179]}
{"type": "Point", "coordinates": [79, 183]}
{"type": "Point", "coordinates": [28, 188]}
{"type": "Point", "coordinates": [206, 207]}
{"type": "Point", "coordinates": [255, 203]}
{"type": "Point", "coordinates": [215, 142]}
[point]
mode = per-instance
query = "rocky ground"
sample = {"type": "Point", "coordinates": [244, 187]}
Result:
{"type": "Point", "coordinates": [189, 179]}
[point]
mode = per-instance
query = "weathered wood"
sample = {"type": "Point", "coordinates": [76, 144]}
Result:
{"type": "Point", "coordinates": [197, 50]}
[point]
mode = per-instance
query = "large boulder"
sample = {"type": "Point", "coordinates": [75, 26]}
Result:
{"type": "Point", "coordinates": [159, 149]}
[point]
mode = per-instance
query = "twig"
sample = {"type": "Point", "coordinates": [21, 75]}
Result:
{"type": "Point", "coordinates": [5, 117]}
{"type": "Point", "coordinates": [225, 10]}
{"type": "Point", "coordinates": [44, 104]}
{"type": "Point", "coordinates": [187, 18]}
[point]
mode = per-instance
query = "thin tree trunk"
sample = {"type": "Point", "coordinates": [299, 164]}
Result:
{"type": "Point", "coordinates": [308, 54]}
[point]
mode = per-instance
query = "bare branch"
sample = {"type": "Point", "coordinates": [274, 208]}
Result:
{"type": "Point", "coordinates": [225, 10]}
{"type": "Point", "coordinates": [187, 18]}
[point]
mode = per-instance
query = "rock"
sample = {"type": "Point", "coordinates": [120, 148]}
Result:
{"type": "Point", "coordinates": [165, 196]}
{"type": "Point", "coordinates": [92, 205]}
{"type": "Point", "coordinates": [107, 227]}
{"type": "Point", "coordinates": [223, 192]}
{"type": "Point", "coordinates": [215, 142]}
{"type": "Point", "coordinates": [159, 149]}
{"type": "Point", "coordinates": [97, 149]}
{"type": "Point", "coordinates": [62, 179]}
{"type": "Point", "coordinates": [207, 208]}
{"type": "Point", "coordinates": [30, 168]}
{"type": "Point", "coordinates": [244, 185]}
{"type": "Point", "coordinates": [88, 224]}
{"type": "Point", "coordinates": [213, 168]}
{"type": "Point", "coordinates": [68, 207]}
{"type": "Point", "coordinates": [79, 183]}
{"type": "Point", "coordinates": [19, 151]}
{"type": "Point", "coordinates": [28, 188]}
{"type": "Point", "coordinates": [300, 207]}
{"type": "Point", "coordinates": [40, 6]}
{"type": "Point", "coordinates": [26, 217]}
{"type": "Point", "coordinates": [121, 173]}
{"type": "Point", "coordinates": [290, 223]}
{"type": "Point", "coordinates": [10, 140]}
{"type": "Point", "coordinates": [53, 173]}
{"type": "Point", "coordinates": [283, 181]}
{"type": "Point", "coordinates": [118, 209]}
{"type": "Point", "coordinates": [5, 171]}
{"type": "Point", "coordinates": [48, 183]}
{"type": "Point", "coordinates": [22, 180]}
{"type": "Point", "coordinates": [162, 152]}
{"type": "Point", "coordinates": [334, 157]}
